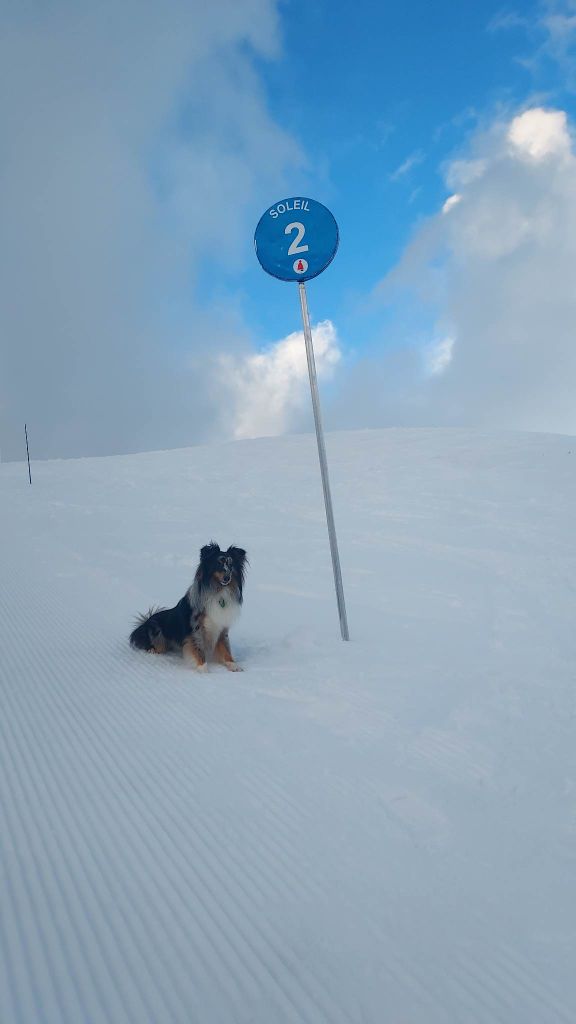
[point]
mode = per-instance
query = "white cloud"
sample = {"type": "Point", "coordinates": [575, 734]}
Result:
{"type": "Point", "coordinates": [557, 24]}
{"type": "Point", "coordinates": [551, 25]}
{"type": "Point", "coordinates": [505, 19]}
{"type": "Point", "coordinates": [538, 134]}
{"type": "Point", "coordinates": [560, 24]}
{"type": "Point", "coordinates": [452, 201]}
{"type": "Point", "coordinates": [438, 356]}
{"type": "Point", "coordinates": [460, 173]}
{"type": "Point", "coordinates": [269, 391]}
{"type": "Point", "coordinates": [496, 275]}
{"type": "Point", "coordinates": [407, 165]}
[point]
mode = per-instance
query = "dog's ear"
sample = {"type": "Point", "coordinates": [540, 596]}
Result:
{"type": "Point", "coordinates": [238, 554]}
{"type": "Point", "coordinates": [208, 550]}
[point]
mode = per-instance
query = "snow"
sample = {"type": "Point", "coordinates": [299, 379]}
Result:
{"type": "Point", "coordinates": [379, 832]}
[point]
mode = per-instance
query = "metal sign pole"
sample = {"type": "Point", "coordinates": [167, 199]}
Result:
{"type": "Point", "coordinates": [27, 453]}
{"type": "Point", "coordinates": [323, 462]}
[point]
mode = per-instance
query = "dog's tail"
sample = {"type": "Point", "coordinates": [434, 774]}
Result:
{"type": "Point", "coordinates": [147, 636]}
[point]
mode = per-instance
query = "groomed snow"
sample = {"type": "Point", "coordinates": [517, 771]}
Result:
{"type": "Point", "coordinates": [380, 832]}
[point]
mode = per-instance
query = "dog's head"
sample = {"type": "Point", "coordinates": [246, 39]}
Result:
{"type": "Point", "coordinates": [222, 568]}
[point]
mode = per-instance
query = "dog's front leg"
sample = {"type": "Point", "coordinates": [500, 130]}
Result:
{"type": "Point", "coordinates": [192, 654]}
{"type": "Point", "coordinates": [223, 654]}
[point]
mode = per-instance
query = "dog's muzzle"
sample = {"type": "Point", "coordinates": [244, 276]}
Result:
{"type": "Point", "coordinates": [226, 571]}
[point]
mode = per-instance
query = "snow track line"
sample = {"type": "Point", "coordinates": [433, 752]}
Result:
{"type": "Point", "coordinates": [141, 838]}
{"type": "Point", "coordinates": [63, 865]}
{"type": "Point", "coordinates": [72, 833]}
{"type": "Point", "coordinates": [453, 754]}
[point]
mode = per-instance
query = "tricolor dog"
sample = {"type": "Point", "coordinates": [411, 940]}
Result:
{"type": "Point", "coordinates": [198, 625]}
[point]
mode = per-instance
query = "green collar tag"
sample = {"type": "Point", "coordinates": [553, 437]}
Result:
{"type": "Point", "coordinates": [222, 602]}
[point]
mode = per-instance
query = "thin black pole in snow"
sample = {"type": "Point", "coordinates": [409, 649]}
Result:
{"type": "Point", "coordinates": [28, 453]}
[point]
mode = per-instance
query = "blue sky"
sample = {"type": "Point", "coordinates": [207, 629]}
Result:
{"type": "Point", "coordinates": [143, 140]}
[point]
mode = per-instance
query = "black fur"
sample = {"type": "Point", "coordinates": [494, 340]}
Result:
{"type": "Point", "coordinates": [165, 629]}
{"type": "Point", "coordinates": [163, 626]}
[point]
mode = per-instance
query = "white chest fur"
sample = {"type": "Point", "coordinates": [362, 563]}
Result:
{"type": "Point", "coordinates": [222, 611]}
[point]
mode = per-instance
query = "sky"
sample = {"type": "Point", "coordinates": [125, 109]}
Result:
{"type": "Point", "coordinates": [141, 141]}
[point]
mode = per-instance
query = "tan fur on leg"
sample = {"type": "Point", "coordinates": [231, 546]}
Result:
{"type": "Point", "coordinates": [192, 653]}
{"type": "Point", "coordinates": [223, 654]}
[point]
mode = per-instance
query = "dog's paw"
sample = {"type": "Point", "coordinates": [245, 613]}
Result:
{"type": "Point", "coordinates": [202, 668]}
{"type": "Point", "coordinates": [233, 666]}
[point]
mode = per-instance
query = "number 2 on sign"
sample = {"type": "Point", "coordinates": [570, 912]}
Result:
{"type": "Point", "coordinates": [295, 246]}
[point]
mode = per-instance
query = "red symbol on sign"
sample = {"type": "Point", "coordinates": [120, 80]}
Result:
{"type": "Point", "coordinates": [300, 266]}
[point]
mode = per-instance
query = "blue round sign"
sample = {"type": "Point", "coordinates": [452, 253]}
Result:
{"type": "Point", "coordinates": [296, 239]}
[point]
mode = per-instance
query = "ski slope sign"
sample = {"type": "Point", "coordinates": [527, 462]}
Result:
{"type": "Point", "coordinates": [296, 239]}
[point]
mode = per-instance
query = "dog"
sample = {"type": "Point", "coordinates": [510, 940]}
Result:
{"type": "Point", "coordinates": [198, 625]}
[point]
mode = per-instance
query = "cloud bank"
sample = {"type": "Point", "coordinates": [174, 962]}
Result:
{"type": "Point", "coordinates": [485, 297]}
{"type": "Point", "coordinates": [135, 141]}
